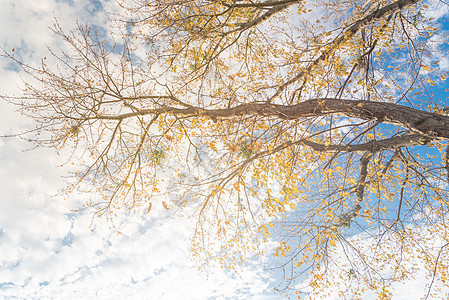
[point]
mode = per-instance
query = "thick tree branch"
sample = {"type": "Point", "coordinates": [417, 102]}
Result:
{"type": "Point", "coordinates": [425, 123]}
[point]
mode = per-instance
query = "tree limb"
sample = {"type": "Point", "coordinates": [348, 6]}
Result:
{"type": "Point", "coordinates": [347, 35]}
{"type": "Point", "coordinates": [425, 123]}
{"type": "Point", "coordinates": [346, 218]}
{"type": "Point", "coordinates": [405, 140]}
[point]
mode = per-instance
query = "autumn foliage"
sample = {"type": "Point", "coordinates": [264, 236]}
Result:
{"type": "Point", "coordinates": [302, 129]}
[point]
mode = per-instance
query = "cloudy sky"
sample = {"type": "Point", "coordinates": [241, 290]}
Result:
{"type": "Point", "coordinates": [49, 251]}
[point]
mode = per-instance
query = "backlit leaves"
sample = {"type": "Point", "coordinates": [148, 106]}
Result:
{"type": "Point", "coordinates": [304, 131]}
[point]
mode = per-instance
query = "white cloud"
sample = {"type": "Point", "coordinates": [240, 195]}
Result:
{"type": "Point", "coordinates": [437, 9]}
{"type": "Point", "coordinates": [48, 251]}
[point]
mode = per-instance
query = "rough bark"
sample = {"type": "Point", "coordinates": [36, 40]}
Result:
{"type": "Point", "coordinates": [429, 124]}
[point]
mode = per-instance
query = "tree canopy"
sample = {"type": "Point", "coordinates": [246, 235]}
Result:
{"type": "Point", "coordinates": [310, 129]}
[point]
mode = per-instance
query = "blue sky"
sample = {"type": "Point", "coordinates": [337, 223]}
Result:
{"type": "Point", "coordinates": [49, 251]}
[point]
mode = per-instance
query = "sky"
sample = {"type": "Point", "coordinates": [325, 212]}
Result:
{"type": "Point", "coordinates": [50, 251]}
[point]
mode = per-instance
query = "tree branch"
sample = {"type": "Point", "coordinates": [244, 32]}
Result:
{"type": "Point", "coordinates": [432, 125]}
{"type": "Point", "coordinates": [405, 140]}
{"type": "Point", "coordinates": [269, 13]}
{"type": "Point", "coordinates": [347, 35]}
{"type": "Point", "coordinates": [268, 3]}
{"type": "Point", "coordinates": [346, 218]}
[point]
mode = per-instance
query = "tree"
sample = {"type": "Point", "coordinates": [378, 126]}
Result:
{"type": "Point", "coordinates": [308, 125]}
